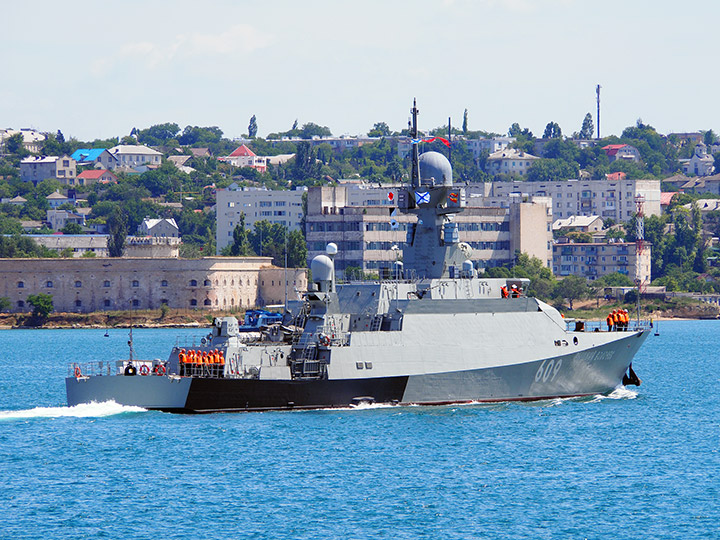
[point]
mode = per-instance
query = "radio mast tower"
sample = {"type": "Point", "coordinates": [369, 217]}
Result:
{"type": "Point", "coordinates": [597, 91]}
{"type": "Point", "coordinates": [639, 246]}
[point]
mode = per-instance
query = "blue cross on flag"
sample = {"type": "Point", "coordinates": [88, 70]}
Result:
{"type": "Point", "coordinates": [422, 197]}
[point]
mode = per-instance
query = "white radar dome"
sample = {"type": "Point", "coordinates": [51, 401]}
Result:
{"type": "Point", "coordinates": [322, 268]}
{"type": "Point", "coordinates": [435, 165]}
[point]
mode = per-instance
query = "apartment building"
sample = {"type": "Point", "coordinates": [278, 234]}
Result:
{"type": "Point", "coordinates": [131, 155]}
{"type": "Point", "coordinates": [615, 199]}
{"type": "Point", "coordinates": [595, 260]}
{"type": "Point", "coordinates": [371, 237]}
{"type": "Point", "coordinates": [258, 204]}
{"type": "Point", "coordinates": [285, 207]}
{"type": "Point", "coordinates": [38, 168]}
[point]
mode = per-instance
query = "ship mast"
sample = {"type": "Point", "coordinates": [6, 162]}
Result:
{"type": "Point", "coordinates": [639, 246]}
{"type": "Point", "coordinates": [415, 143]}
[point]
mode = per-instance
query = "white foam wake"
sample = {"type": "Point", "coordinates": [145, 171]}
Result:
{"type": "Point", "coordinates": [83, 410]}
{"type": "Point", "coordinates": [621, 392]}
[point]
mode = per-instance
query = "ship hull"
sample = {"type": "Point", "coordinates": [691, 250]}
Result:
{"type": "Point", "coordinates": [588, 372]}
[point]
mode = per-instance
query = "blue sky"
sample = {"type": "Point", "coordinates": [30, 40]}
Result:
{"type": "Point", "coordinates": [98, 69]}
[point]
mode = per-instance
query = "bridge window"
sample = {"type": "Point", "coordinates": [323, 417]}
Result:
{"type": "Point", "coordinates": [193, 282]}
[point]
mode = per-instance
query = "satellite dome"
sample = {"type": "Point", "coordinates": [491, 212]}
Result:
{"type": "Point", "coordinates": [435, 165]}
{"type": "Point", "coordinates": [322, 268]}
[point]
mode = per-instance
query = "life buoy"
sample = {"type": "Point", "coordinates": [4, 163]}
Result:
{"type": "Point", "coordinates": [159, 369]}
{"type": "Point", "coordinates": [144, 370]}
{"type": "Point", "coordinates": [78, 372]}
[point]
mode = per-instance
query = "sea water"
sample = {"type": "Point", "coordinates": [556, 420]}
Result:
{"type": "Point", "coordinates": [639, 463]}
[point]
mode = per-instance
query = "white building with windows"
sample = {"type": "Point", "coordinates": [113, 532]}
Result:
{"type": "Point", "coordinates": [614, 199]}
{"type": "Point", "coordinates": [38, 168]}
{"type": "Point", "coordinates": [701, 163]}
{"type": "Point", "coordinates": [510, 161]}
{"type": "Point", "coordinates": [131, 155]}
{"type": "Point", "coordinates": [258, 204]}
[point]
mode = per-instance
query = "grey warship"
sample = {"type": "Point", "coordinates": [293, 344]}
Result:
{"type": "Point", "coordinates": [436, 333]}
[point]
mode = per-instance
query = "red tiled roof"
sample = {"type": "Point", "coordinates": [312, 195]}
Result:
{"type": "Point", "coordinates": [242, 150]}
{"type": "Point", "coordinates": [94, 174]}
{"type": "Point", "coordinates": [611, 149]}
{"type": "Point", "coordinates": [666, 197]}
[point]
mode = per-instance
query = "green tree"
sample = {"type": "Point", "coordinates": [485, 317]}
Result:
{"type": "Point", "coordinates": [296, 250]}
{"type": "Point", "coordinates": [552, 170]}
{"type": "Point", "coordinates": [709, 137]}
{"type": "Point", "coordinates": [5, 303]}
{"type": "Point", "coordinates": [252, 127]}
{"type": "Point", "coordinates": [158, 135]}
{"type": "Point", "coordinates": [552, 131]}
{"type": "Point", "coordinates": [117, 232]}
{"type": "Point", "coordinates": [42, 305]}
{"type": "Point", "coordinates": [465, 122]}
{"type": "Point", "coordinates": [572, 288]}
{"type": "Point", "coordinates": [380, 129]}
{"type": "Point", "coordinates": [15, 145]}
{"type": "Point", "coordinates": [241, 244]}
{"type": "Point", "coordinates": [588, 128]}
{"type": "Point", "coordinates": [72, 228]}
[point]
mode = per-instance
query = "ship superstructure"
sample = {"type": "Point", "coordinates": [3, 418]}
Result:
{"type": "Point", "coordinates": [437, 332]}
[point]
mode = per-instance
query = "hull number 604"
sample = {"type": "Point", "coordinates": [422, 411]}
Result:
{"type": "Point", "coordinates": [548, 370]}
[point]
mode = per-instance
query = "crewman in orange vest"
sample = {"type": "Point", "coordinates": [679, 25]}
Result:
{"type": "Point", "coordinates": [504, 291]}
{"type": "Point", "coordinates": [616, 319]}
{"type": "Point", "coordinates": [609, 322]}
{"type": "Point", "coordinates": [514, 292]}
{"type": "Point", "coordinates": [626, 320]}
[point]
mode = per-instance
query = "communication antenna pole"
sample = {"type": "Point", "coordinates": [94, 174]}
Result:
{"type": "Point", "coordinates": [597, 90]}
{"type": "Point", "coordinates": [639, 247]}
{"type": "Point", "coordinates": [415, 175]}
{"type": "Point", "coordinates": [450, 140]}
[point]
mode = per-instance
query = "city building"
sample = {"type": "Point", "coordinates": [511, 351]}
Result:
{"type": "Point", "coordinates": [478, 147]}
{"type": "Point", "coordinates": [38, 168]}
{"type": "Point", "coordinates": [59, 218]}
{"type": "Point", "coordinates": [623, 152]}
{"type": "Point", "coordinates": [605, 198]}
{"type": "Point", "coordinates": [130, 155]}
{"type": "Point", "coordinates": [596, 259]}
{"type": "Point", "coordinates": [91, 284]}
{"type": "Point", "coordinates": [159, 228]}
{"type": "Point", "coordinates": [587, 224]}
{"type": "Point", "coordinates": [17, 201]}
{"type": "Point", "coordinates": [92, 176]}
{"type": "Point", "coordinates": [95, 157]}
{"type": "Point", "coordinates": [258, 204]}
{"type": "Point", "coordinates": [56, 199]}
{"type": "Point", "coordinates": [32, 140]}
{"type": "Point", "coordinates": [242, 156]}
{"type": "Point", "coordinates": [701, 163]}
{"type": "Point", "coordinates": [370, 238]}
{"type": "Point", "coordinates": [510, 161]}
{"type": "Point", "coordinates": [135, 246]}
